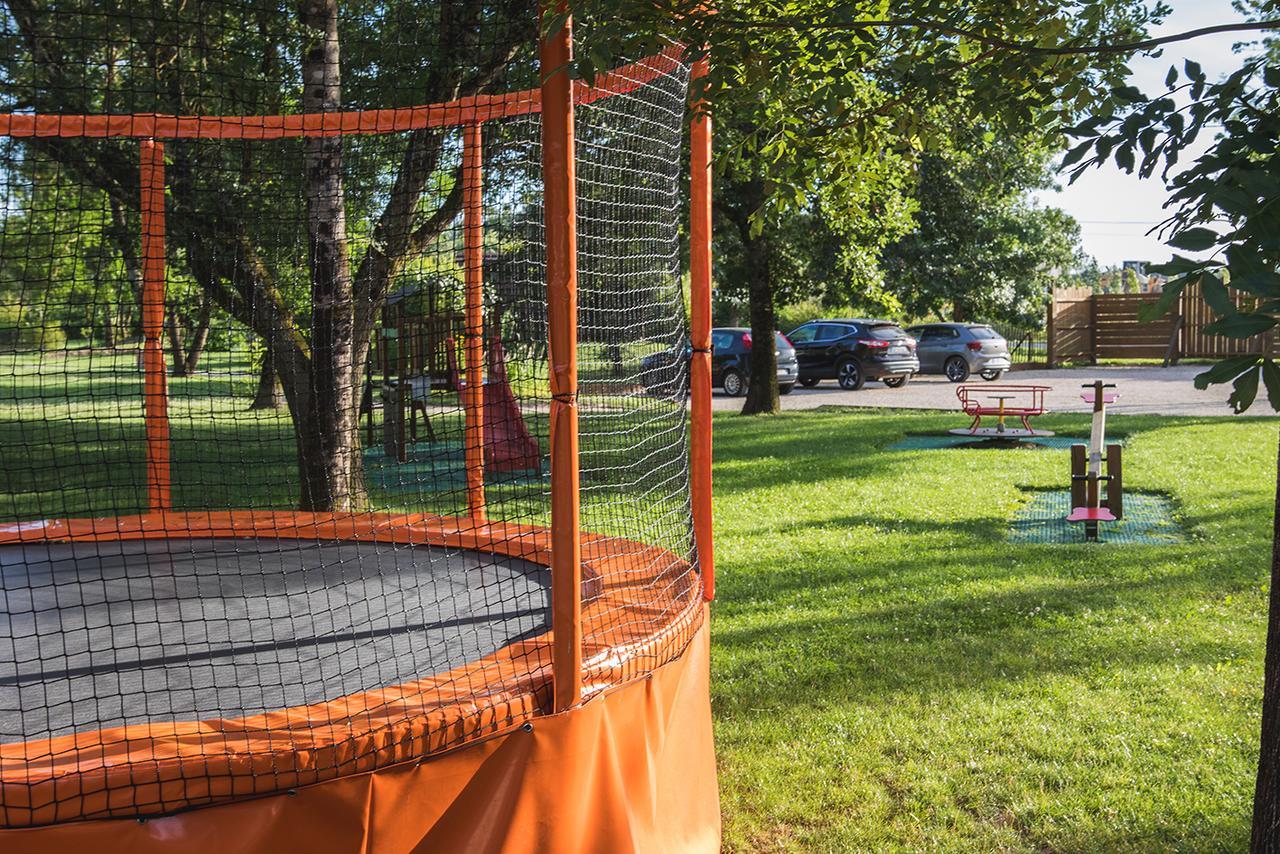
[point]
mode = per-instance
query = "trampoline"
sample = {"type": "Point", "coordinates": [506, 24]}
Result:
{"type": "Point", "coordinates": [228, 620]}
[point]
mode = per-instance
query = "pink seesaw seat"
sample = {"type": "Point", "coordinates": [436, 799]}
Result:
{"type": "Point", "coordinates": [1091, 514]}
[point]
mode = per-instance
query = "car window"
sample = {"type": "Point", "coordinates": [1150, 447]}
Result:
{"type": "Point", "coordinates": [933, 333]}
{"type": "Point", "coordinates": [780, 341]}
{"type": "Point", "coordinates": [983, 333]}
{"type": "Point", "coordinates": [832, 331]}
{"type": "Point", "coordinates": [721, 340]}
{"type": "Point", "coordinates": [803, 334]}
{"type": "Point", "coordinates": [885, 331]}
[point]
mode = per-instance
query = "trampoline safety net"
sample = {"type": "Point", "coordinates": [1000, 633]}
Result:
{"type": "Point", "coordinates": [274, 392]}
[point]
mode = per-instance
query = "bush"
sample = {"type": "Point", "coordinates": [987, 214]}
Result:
{"type": "Point", "coordinates": [25, 329]}
{"type": "Point", "coordinates": [791, 316]}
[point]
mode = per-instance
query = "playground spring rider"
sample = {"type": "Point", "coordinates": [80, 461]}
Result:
{"type": "Point", "coordinates": [1088, 482]}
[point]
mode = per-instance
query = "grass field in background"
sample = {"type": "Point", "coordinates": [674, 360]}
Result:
{"type": "Point", "coordinates": [889, 674]}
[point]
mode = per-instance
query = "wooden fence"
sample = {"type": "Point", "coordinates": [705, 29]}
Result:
{"type": "Point", "coordinates": [1084, 326]}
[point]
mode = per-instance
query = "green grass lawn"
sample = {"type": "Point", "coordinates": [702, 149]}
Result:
{"type": "Point", "coordinates": [889, 674]}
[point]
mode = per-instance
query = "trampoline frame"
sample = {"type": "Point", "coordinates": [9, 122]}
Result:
{"type": "Point", "coordinates": [180, 765]}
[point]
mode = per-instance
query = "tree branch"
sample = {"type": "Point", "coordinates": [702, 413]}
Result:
{"type": "Point", "coordinates": [994, 41]}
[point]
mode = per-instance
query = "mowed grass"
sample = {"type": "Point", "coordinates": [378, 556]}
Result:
{"type": "Point", "coordinates": [889, 674]}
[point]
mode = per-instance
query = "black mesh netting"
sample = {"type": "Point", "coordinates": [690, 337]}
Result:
{"type": "Point", "coordinates": [274, 452]}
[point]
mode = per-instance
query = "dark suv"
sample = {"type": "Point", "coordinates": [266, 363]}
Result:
{"type": "Point", "coordinates": [730, 364]}
{"type": "Point", "coordinates": [853, 351]}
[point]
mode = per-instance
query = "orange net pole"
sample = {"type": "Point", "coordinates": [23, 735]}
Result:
{"type": "Point", "coordinates": [700, 333]}
{"type": "Point", "coordinates": [469, 110]}
{"type": "Point", "coordinates": [155, 387]}
{"type": "Point", "coordinates": [559, 205]}
{"type": "Point", "coordinates": [473, 253]}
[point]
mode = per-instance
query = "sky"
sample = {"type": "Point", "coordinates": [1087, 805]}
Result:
{"type": "Point", "coordinates": [1116, 210]}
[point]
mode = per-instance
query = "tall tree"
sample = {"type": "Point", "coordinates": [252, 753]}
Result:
{"type": "Point", "coordinates": [809, 95]}
{"type": "Point", "coordinates": [228, 202]}
{"type": "Point", "coordinates": [981, 248]}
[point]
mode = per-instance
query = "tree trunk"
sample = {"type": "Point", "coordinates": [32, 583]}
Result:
{"type": "Point", "coordinates": [327, 421]}
{"type": "Point", "coordinates": [177, 352]}
{"type": "Point", "coordinates": [959, 312]}
{"type": "Point", "coordinates": [199, 335]}
{"type": "Point", "coordinates": [109, 327]}
{"type": "Point", "coordinates": [1266, 794]}
{"type": "Point", "coordinates": [268, 395]}
{"type": "Point", "coordinates": [762, 391]}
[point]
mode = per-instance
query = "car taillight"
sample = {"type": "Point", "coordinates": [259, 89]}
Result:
{"type": "Point", "coordinates": [975, 345]}
{"type": "Point", "coordinates": [746, 340]}
{"type": "Point", "coordinates": [873, 344]}
{"type": "Point", "coordinates": [911, 343]}
{"type": "Point", "coordinates": [786, 340]}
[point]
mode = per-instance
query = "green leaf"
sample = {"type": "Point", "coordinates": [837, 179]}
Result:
{"type": "Point", "coordinates": [1224, 371]}
{"type": "Point", "coordinates": [1171, 77]}
{"type": "Point", "coordinates": [1076, 153]}
{"type": "Point", "coordinates": [1194, 239]}
{"type": "Point", "coordinates": [1271, 377]}
{"type": "Point", "coordinates": [1246, 391]}
{"type": "Point", "coordinates": [1193, 70]}
{"type": "Point", "coordinates": [1215, 294]}
{"type": "Point", "coordinates": [1241, 325]}
{"type": "Point", "coordinates": [1148, 312]}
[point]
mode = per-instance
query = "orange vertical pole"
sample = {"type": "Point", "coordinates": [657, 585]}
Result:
{"type": "Point", "coordinates": [559, 211]}
{"type": "Point", "coordinates": [700, 333]}
{"type": "Point", "coordinates": [155, 384]}
{"type": "Point", "coordinates": [473, 255]}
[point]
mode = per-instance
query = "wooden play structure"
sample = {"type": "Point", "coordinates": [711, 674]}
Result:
{"type": "Point", "coordinates": [411, 354]}
{"type": "Point", "coordinates": [1002, 402]}
{"type": "Point", "coordinates": [417, 356]}
{"type": "Point", "coordinates": [1097, 486]}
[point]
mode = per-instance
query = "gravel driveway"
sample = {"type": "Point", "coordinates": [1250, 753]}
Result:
{"type": "Point", "coordinates": [1143, 390]}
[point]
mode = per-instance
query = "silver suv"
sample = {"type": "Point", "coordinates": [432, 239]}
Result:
{"type": "Point", "coordinates": [958, 350]}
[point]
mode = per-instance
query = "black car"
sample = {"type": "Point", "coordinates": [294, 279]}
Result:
{"type": "Point", "coordinates": [853, 351]}
{"type": "Point", "coordinates": [731, 360]}
{"type": "Point", "coordinates": [730, 364]}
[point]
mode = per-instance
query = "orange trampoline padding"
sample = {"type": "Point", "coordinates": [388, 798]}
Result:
{"type": "Point", "coordinates": [631, 770]}
{"type": "Point", "coordinates": [161, 768]}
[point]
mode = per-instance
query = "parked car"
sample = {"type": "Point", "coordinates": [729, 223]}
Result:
{"type": "Point", "coordinates": [730, 364]}
{"type": "Point", "coordinates": [958, 350]}
{"type": "Point", "coordinates": [731, 361]}
{"type": "Point", "coordinates": [852, 351]}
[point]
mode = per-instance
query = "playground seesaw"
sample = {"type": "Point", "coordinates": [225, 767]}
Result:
{"type": "Point", "coordinates": [1097, 485]}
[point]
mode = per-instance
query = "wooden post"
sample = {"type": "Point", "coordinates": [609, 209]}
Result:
{"type": "Point", "coordinates": [1093, 328]}
{"type": "Point", "coordinates": [155, 385]}
{"type": "Point", "coordinates": [1048, 329]}
{"type": "Point", "coordinates": [700, 334]}
{"type": "Point", "coordinates": [473, 254]}
{"type": "Point", "coordinates": [560, 212]}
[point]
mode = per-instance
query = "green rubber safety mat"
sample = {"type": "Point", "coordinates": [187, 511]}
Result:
{"type": "Point", "coordinates": [938, 442]}
{"type": "Point", "coordinates": [434, 467]}
{"type": "Point", "coordinates": [1148, 521]}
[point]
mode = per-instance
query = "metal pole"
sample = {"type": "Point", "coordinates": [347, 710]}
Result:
{"type": "Point", "coordinates": [560, 210]}
{"type": "Point", "coordinates": [155, 384]}
{"type": "Point", "coordinates": [473, 253]}
{"type": "Point", "coordinates": [700, 333]}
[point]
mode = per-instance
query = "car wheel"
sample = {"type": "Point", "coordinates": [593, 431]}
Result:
{"type": "Point", "coordinates": [849, 374]}
{"type": "Point", "coordinates": [956, 369]}
{"type": "Point", "coordinates": [898, 381]}
{"type": "Point", "coordinates": [733, 383]}
{"type": "Point", "coordinates": [809, 382]}
{"type": "Point", "coordinates": [991, 376]}
{"type": "Point", "coordinates": [785, 388]}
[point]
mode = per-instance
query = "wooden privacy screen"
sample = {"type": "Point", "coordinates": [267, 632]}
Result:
{"type": "Point", "coordinates": [1084, 326]}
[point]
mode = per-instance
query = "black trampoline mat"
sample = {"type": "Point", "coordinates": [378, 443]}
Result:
{"type": "Point", "coordinates": [99, 634]}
